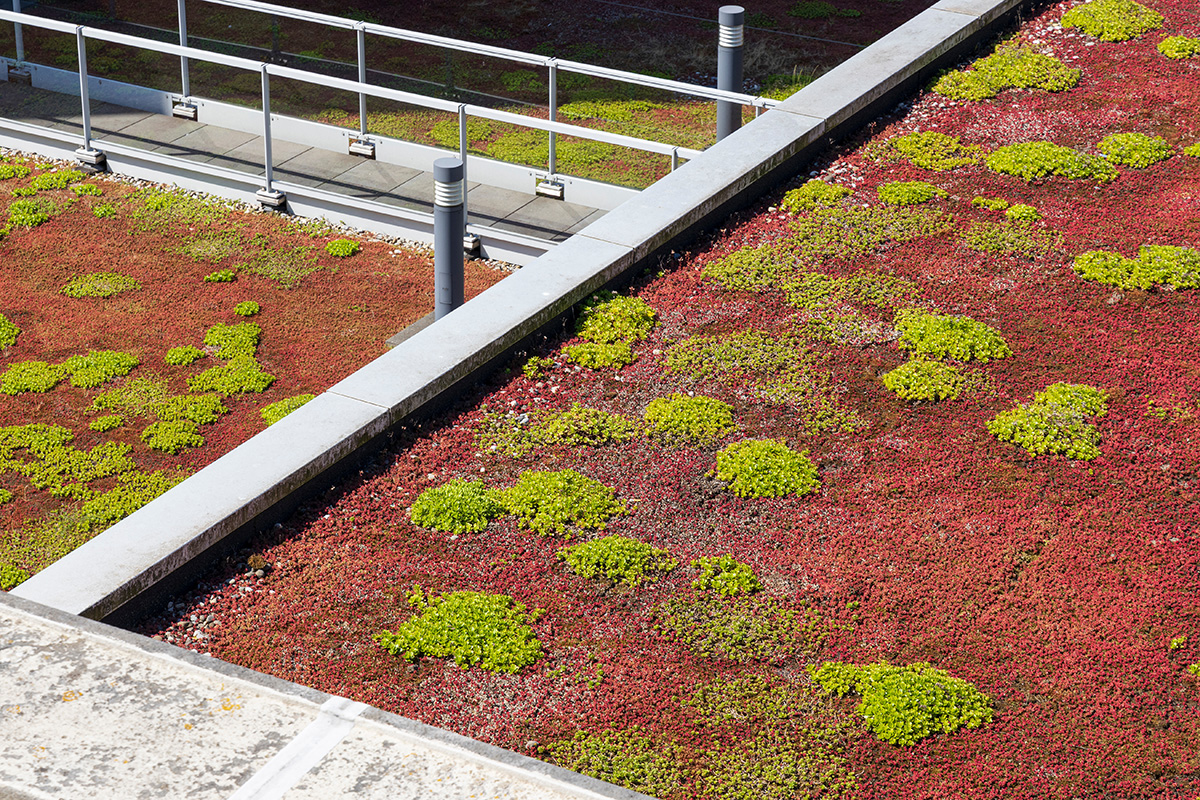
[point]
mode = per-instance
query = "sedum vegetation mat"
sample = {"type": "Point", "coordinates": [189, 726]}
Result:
{"type": "Point", "coordinates": [887, 489]}
{"type": "Point", "coordinates": [146, 332]}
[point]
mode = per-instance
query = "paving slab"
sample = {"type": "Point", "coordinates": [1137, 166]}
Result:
{"type": "Point", "coordinates": [248, 156]}
{"type": "Point", "coordinates": [370, 178]}
{"type": "Point", "coordinates": [490, 204]}
{"type": "Point", "coordinates": [545, 216]}
{"type": "Point", "coordinates": [91, 711]}
{"type": "Point", "coordinates": [314, 167]}
{"type": "Point", "coordinates": [203, 144]}
{"type": "Point", "coordinates": [154, 130]}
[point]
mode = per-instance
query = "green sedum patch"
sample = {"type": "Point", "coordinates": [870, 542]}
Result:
{"type": "Point", "coordinates": [773, 765]}
{"type": "Point", "coordinates": [106, 422]}
{"type": "Point", "coordinates": [547, 502]}
{"type": "Point", "coordinates": [921, 379]}
{"type": "Point", "coordinates": [626, 758]}
{"type": "Point", "coordinates": [1031, 161]}
{"type": "Point", "coordinates": [104, 211]}
{"type": "Point", "coordinates": [780, 370]}
{"type": "Point", "coordinates": [934, 150]}
{"type": "Point", "coordinates": [100, 284]}
{"type": "Point", "coordinates": [949, 336]}
{"type": "Point", "coordinates": [232, 341]}
{"type": "Point", "coordinates": [812, 195]}
{"type": "Point", "coordinates": [608, 318]}
{"type": "Point", "coordinates": [902, 705]}
{"type": "Point", "coordinates": [98, 367]}
{"type": "Point", "coordinates": [725, 575]}
{"type": "Point", "coordinates": [31, 376]}
{"type": "Point", "coordinates": [53, 465]}
{"type": "Point", "coordinates": [1113, 20]}
{"type": "Point", "coordinates": [766, 468]}
{"type": "Point", "coordinates": [990, 203]}
{"type": "Point", "coordinates": [909, 193]}
{"type": "Point", "coordinates": [1022, 213]}
{"type": "Point", "coordinates": [221, 276]}
{"type": "Point", "coordinates": [136, 397]}
{"type": "Point", "coordinates": [1017, 237]}
{"type": "Point", "coordinates": [11, 576]}
{"type": "Point", "coordinates": [8, 333]}
{"type": "Point", "coordinates": [172, 436]}
{"type": "Point", "coordinates": [745, 627]}
{"type": "Point", "coordinates": [9, 171]}
{"type": "Point", "coordinates": [815, 291]}
{"type": "Point", "coordinates": [242, 375]}
{"type": "Point", "coordinates": [852, 232]}
{"type": "Point", "coordinates": [611, 110]}
{"type": "Point", "coordinates": [618, 559]}
{"type": "Point", "coordinates": [537, 366]}
{"type": "Point", "coordinates": [87, 190]}
{"type": "Point", "coordinates": [1056, 422]}
{"type": "Point", "coordinates": [58, 179]}
{"type": "Point", "coordinates": [752, 269]}
{"type": "Point", "coordinates": [487, 630]}
{"type": "Point", "coordinates": [581, 426]}
{"type": "Point", "coordinates": [342, 248]}
{"type": "Point", "coordinates": [29, 213]}
{"type": "Point", "coordinates": [133, 490]}
{"type": "Point", "coordinates": [610, 324]}
{"type": "Point", "coordinates": [1008, 68]}
{"type": "Point", "coordinates": [1135, 150]}
{"type": "Point", "coordinates": [445, 132]}
{"type": "Point", "coordinates": [276, 411]}
{"type": "Point", "coordinates": [458, 506]}
{"type": "Point", "coordinates": [693, 420]}
{"type": "Point", "coordinates": [1177, 267]}
{"type": "Point", "coordinates": [183, 355]}
{"type": "Point", "coordinates": [247, 308]}
{"type": "Point", "coordinates": [594, 355]}
{"type": "Point", "coordinates": [203, 409]}
{"type": "Point", "coordinates": [1179, 47]}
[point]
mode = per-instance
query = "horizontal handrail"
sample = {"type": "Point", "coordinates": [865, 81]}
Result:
{"type": "Point", "coordinates": [373, 90]}
{"type": "Point", "coordinates": [638, 79]}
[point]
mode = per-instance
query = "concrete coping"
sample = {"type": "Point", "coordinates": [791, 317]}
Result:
{"type": "Point", "coordinates": [245, 489]}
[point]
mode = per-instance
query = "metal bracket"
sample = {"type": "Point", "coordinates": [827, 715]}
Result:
{"type": "Point", "coordinates": [271, 199]}
{"type": "Point", "coordinates": [552, 189]}
{"type": "Point", "coordinates": [20, 75]}
{"type": "Point", "coordinates": [362, 147]}
{"type": "Point", "coordinates": [472, 246]}
{"type": "Point", "coordinates": [184, 111]}
{"type": "Point", "coordinates": [92, 158]}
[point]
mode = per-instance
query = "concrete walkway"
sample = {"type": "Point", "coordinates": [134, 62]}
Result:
{"type": "Point", "coordinates": [90, 711]}
{"type": "Point", "coordinates": [347, 175]}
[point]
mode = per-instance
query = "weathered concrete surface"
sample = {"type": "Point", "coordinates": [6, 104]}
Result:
{"type": "Point", "coordinates": [90, 711]}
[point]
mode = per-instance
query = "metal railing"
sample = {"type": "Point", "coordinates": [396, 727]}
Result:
{"type": "Point", "coordinates": [463, 111]}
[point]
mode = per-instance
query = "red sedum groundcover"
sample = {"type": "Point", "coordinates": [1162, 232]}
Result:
{"type": "Point", "coordinates": [1064, 589]}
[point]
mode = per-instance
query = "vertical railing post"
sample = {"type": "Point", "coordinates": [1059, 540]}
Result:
{"type": "Point", "coordinates": [19, 33]}
{"type": "Point", "coordinates": [86, 154]}
{"type": "Point", "coordinates": [553, 165]}
{"type": "Point", "coordinates": [81, 48]}
{"type": "Point", "coordinates": [674, 158]}
{"type": "Point", "coordinates": [362, 78]}
{"type": "Point", "coordinates": [730, 21]}
{"type": "Point", "coordinates": [449, 192]}
{"type": "Point", "coordinates": [266, 105]}
{"type": "Point", "coordinates": [185, 79]}
{"type": "Point", "coordinates": [268, 196]}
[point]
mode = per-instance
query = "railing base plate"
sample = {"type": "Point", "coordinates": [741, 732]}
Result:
{"type": "Point", "coordinates": [271, 199]}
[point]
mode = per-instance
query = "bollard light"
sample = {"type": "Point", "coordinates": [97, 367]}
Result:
{"type": "Point", "coordinates": [449, 196]}
{"type": "Point", "coordinates": [730, 26]}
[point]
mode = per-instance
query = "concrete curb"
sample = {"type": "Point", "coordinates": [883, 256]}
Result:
{"type": "Point", "coordinates": [159, 664]}
{"type": "Point", "coordinates": [152, 551]}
